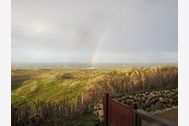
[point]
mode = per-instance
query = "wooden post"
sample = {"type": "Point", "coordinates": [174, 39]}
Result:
{"type": "Point", "coordinates": [137, 119]}
{"type": "Point", "coordinates": [106, 109]}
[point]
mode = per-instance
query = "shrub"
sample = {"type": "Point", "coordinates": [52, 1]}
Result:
{"type": "Point", "coordinates": [67, 76]}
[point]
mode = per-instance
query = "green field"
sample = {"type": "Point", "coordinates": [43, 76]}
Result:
{"type": "Point", "coordinates": [54, 85]}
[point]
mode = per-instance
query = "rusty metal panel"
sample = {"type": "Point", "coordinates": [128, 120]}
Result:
{"type": "Point", "coordinates": [121, 114]}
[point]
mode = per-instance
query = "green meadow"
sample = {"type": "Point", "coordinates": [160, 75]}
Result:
{"type": "Point", "coordinates": [52, 84]}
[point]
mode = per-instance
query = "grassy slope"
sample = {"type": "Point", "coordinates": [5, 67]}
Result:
{"type": "Point", "coordinates": [29, 85]}
{"type": "Point", "coordinates": [52, 84]}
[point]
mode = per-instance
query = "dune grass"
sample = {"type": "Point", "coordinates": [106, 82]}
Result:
{"type": "Point", "coordinates": [47, 85]}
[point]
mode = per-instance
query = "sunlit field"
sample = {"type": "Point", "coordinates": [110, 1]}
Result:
{"type": "Point", "coordinates": [73, 96]}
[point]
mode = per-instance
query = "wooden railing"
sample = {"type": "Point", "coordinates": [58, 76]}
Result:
{"type": "Point", "coordinates": [143, 118]}
{"type": "Point", "coordinates": [119, 114]}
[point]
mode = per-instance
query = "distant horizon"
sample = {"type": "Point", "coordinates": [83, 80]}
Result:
{"type": "Point", "coordinates": [58, 63]}
{"type": "Point", "coordinates": [85, 65]}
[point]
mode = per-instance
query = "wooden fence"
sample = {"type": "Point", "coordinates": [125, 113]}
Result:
{"type": "Point", "coordinates": [119, 114]}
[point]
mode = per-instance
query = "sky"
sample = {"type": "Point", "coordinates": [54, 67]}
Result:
{"type": "Point", "coordinates": [94, 31]}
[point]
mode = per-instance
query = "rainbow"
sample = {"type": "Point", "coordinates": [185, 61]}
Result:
{"type": "Point", "coordinates": [101, 40]}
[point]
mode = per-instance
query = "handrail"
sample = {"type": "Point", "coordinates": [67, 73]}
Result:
{"type": "Point", "coordinates": [141, 114]}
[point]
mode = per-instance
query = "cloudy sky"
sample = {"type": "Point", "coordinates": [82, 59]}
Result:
{"type": "Point", "coordinates": [94, 31]}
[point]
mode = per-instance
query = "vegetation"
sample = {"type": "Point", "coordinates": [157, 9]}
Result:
{"type": "Point", "coordinates": [138, 79]}
{"type": "Point", "coordinates": [56, 96]}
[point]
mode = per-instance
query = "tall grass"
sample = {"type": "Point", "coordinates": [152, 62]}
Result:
{"type": "Point", "coordinates": [41, 113]}
{"type": "Point", "coordinates": [138, 79]}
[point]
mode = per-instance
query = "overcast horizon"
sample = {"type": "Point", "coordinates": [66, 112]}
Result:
{"type": "Point", "coordinates": [94, 31]}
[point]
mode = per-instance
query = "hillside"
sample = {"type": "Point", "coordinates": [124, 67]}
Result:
{"type": "Point", "coordinates": [51, 84]}
{"type": "Point", "coordinates": [63, 95]}
{"type": "Point", "coordinates": [55, 84]}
